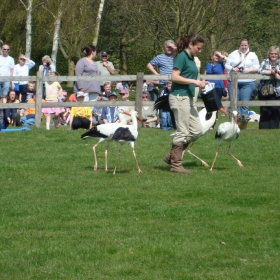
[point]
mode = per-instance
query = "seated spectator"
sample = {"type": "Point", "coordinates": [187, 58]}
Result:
{"type": "Point", "coordinates": [166, 123]}
{"type": "Point", "coordinates": [124, 97]}
{"type": "Point", "coordinates": [72, 97]}
{"type": "Point", "coordinates": [107, 90]}
{"type": "Point", "coordinates": [80, 117]}
{"type": "Point", "coordinates": [27, 94]}
{"type": "Point", "coordinates": [109, 113]}
{"type": "Point", "coordinates": [29, 115]}
{"type": "Point", "coordinates": [119, 86]}
{"type": "Point", "coordinates": [149, 115]}
{"type": "Point", "coordinates": [10, 113]}
{"type": "Point", "coordinates": [97, 110]}
{"type": "Point", "coordinates": [2, 117]}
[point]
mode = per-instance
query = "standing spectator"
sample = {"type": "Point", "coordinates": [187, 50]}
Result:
{"type": "Point", "coordinates": [22, 69]}
{"type": "Point", "coordinates": [86, 66]}
{"type": "Point", "coordinates": [7, 65]}
{"type": "Point", "coordinates": [151, 88]}
{"type": "Point", "coordinates": [109, 113]}
{"type": "Point", "coordinates": [216, 66]}
{"type": "Point", "coordinates": [53, 91]}
{"type": "Point", "coordinates": [181, 99]}
{"type": "Point", "coordinates": [166, 123]}
{"type": "Point", "coordinates": [106, 67]}
{"type": "Point", "coordinates": [10, 113]}
{"type": "Point", "coordinates": [243, 61]}
{"type": "Point", "coordinates": [46, 68]}
{"type": "Point", "coordinates": [164, 62]}
{"type": "Point", "coordinates": [80, 117]}
{"type": "Point", "coordinates": [270, 115]}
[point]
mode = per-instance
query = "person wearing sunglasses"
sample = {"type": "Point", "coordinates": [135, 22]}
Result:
{"type": "Point", "coordinates": [106, 67]}
{"type": "Point", "coordinates": [149, 115]}
{"type": "Point", "coordinates": [22, 69]}
{"type": "Point", "coordinates": [7, 65]}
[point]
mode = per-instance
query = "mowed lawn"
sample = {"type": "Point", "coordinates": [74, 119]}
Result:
{"type": "Point", "coordinates": [62, 220]}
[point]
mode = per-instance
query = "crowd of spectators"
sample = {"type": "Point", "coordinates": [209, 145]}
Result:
{"type": "Point", "coordinates": [242, 61]}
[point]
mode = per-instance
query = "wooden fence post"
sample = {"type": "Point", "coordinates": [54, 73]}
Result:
{"type": "Point", "coordinates": [138, 97]}
{"type": "Point", "coordinates": [38, 102]}
{"type": "Point", "coordinates": [233, 91]}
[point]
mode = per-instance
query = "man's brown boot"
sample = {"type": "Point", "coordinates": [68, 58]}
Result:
{"type": "Point", "coordinates": [176, 158]}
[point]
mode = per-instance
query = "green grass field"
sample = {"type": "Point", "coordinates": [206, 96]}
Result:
{"type": "Point", "coordinates": [62, 220]}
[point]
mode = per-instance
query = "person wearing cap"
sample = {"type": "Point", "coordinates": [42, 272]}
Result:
{"type": "Point", "coordinates": [106, 67]}
{"type": "Point", "coordinates": [80, 117]}
{"type": "Point", "coordinates": [109, 113]}
{"type": "Point", "coordinates": [164, 62]}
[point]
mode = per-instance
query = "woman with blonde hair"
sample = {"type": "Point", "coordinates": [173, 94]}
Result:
{"type": "Point", "coordinates": [270, 89]}
{"type": "Point", "coordinates": [22, 69]}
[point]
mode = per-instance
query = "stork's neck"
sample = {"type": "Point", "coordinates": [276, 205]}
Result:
{"type": "Point", "coordinates": [134, 121]}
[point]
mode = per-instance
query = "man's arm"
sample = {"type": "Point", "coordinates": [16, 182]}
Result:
{"type": "Point", "coordinates": [152, 69]}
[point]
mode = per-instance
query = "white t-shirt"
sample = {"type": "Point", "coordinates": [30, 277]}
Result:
{"type": "Point", "coordinates": [6, 64]}
{"type": "Point", "coordinates": [23, 70]}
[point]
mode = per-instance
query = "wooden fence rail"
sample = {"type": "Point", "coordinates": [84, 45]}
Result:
{"type": "Point", "coordinates": [139, 78]}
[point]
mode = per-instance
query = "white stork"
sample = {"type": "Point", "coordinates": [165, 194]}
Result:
{"type": "Point", "coordinates": [207, 120]}
{"type": "Point", "coordinates": [227, 131]}
{"type": "Point", "coordinates": [127, 134]}
{"type": "Point", "coordinates": [104, 132]}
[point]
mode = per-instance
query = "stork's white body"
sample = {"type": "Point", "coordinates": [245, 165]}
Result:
{"type": "Point", "coordinates": [227, 131]}
{"type": "Point", "coordinates": [206, 124]}
{"type": "Point", "coordinates": [127, 135]}
{"type": "Point", "coordinates": [104, 132]}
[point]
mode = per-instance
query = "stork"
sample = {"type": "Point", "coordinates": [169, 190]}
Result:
{"type": "Point", "coordinates": [207, 120]}
{"type": "Point", "coordinates": [227, 131]}
{"type": "Point", "coordinates": [104, 132]}
{"type": "Point", "coordinates": [127, 134]}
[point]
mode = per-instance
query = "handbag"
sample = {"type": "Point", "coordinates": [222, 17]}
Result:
{"type": "Point", "coordinates": [16, 86]}
{"type": "Point", "coordinates": [211, 100]}
{"type": "Point", "coordinates": [267, 90]}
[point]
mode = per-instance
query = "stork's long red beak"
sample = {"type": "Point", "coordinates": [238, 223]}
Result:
{"type": "Point", "coordinates": [138, 118]}
{"type": "Point", "coordinates": [222, 110]}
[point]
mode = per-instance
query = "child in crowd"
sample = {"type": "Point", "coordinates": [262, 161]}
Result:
{"type": "Point", "coordinates": [53, 91]}
{"type": "Point", "coordinates": [28, 94]}
{"type": "Point", "coordinates": [80, 117]}
{"type": "Point", "coordinates": [11, 113]}
{"type": "Point", "coordinates": [29, 115]}
{"type": "Point", "coordinates": [109, 113]}
{"type": "Point", "coordinates": [166, 123]}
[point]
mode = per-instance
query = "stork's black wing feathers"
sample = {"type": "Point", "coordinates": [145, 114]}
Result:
{"type": "Point", "coordinates": [123, 133]}
{"type": "Point", "coordinates": [93, 132]}
{"type": "Point", "coordinates": [162, 103]}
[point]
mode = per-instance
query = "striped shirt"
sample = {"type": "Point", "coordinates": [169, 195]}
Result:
{"type": "Point", "coordinates": [164, 63]}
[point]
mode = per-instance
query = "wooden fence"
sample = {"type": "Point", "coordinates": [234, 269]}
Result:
{"type": "Point", "coordinates": [139, 78]}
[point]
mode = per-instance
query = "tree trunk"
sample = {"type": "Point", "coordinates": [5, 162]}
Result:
{"type": "Point", "coordinates": [71, 71]}
{"type": "Point", "coordinates": [28, 29]}
{"type": "Point", "coordinates": [97, 25]}
{"type": "Point", "coordinates": [123, 63]}
{"type": "Point", "coordinates": [56, 34]}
